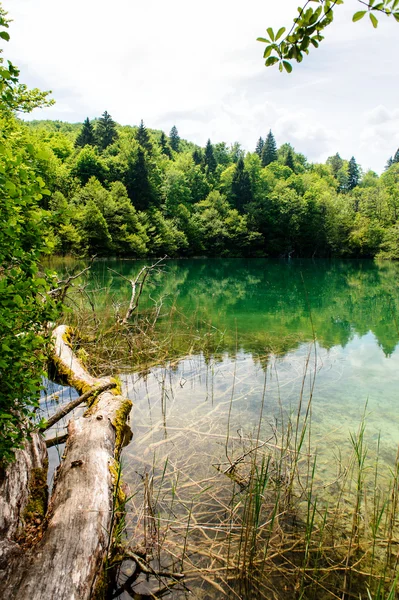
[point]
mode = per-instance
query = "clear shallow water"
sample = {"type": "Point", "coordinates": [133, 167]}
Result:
{"type": "Point", "coordinates": [284, 331]}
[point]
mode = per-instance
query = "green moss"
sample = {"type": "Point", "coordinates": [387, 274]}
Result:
{"type": "Point", "coordinates": [117, 391]}
{"type": "Point", "coordinates": [36, 506]}
{"type": "Point", "coordinates": [120, 424]}
{"type": "Point", "coordinates": [101, 588]}
{"type": "Point", "coordinates": [66, 375]}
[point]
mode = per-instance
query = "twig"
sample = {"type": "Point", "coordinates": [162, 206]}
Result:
{"type": "Point", "coordinates": [58, 439]}
{"type": "Point", "coordinates": [148, 570]}
{"type": "Point", "coordinates": [64, 284]}
{"type": "Point", "coordinates": [71, 405]}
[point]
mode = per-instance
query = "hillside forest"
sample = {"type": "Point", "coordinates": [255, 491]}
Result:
{"type": "Point", "coordinates": [113, 190]}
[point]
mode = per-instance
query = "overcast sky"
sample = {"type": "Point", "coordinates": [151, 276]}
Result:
{"type": "Point", "coordinates": [197, 65]}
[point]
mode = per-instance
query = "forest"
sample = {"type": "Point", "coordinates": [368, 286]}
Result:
{"type": "Point", "coordinates": [266, 521]}
{"type": "Point", "coordinates": [121, 190]}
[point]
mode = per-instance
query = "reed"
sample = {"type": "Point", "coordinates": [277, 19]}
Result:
{"type": "Point", "coordinates": [265, 524]}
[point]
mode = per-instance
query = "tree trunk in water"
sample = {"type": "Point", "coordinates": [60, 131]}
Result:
{"type": "Point", "coordinates": [66, 563]}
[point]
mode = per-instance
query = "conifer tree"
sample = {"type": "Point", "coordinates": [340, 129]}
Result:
{"type": "Point", "coordinates": [241, 192]}
{"type": "Point", "coordinates": [390, 162]}
{"type": "Point", "coordinates": [269, 152]}
{"type": "Point", "coordinates": [143, 138]}
{"type": "Point", "coordinates": [165, 146]}
{"type": "Point", "coordinates": [396, 157]}
{"type": "Point", "coordinates": [353, 174]}
{"type": "Point", "coordinates": [137, 182]}
{"type": "Point", "coordinates": [259, 147]}
{"type": "Point", "coordinates": [106, 133]}
{"type": "Point", "coordinates": [289, 160]}
{"type": "Point", "coordinates": [174, 139]}
{"type": "Point", "coordinates": [197, 156]}
{"type": "Point", "coordinates": [210, 160]}
{"type": "Point", "coordinates": [86, 136]}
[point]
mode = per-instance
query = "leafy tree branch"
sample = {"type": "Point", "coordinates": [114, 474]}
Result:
{"type": "Point", "coordinates": [308, 26]}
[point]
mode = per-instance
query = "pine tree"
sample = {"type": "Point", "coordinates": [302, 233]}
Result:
{"type": "Point", "coordinates": [174, 139]}
{"type": "Point", "coordinates": [197, 156]}
{"type": "Point", "coordinates": [143, 138]}
{"type": "Point", "coordinates": [390, 162]}
{"type": "Point", "coordinates": [241, 192]}
{"type": "Point", "coordinates": [259, 147]}
{"type": "Point", "coordinates": [165, 146]}
{"type": "Point", "coordinates": [396, 157]}
{"type": "Point", "coordinates": [137, 182]}
{"type": "Point", "coordinates": [353, 174]}
{"type": "Point", "coordinates": [269, 152]}
{"type": "Point", "coordinates": [106, 133]}
{"type": "Point", "coordinates": [210, 160]}
{"type": "Point", "coordinates": [86, 136]}
{"type": "Point", "coordinates": [289, 160]}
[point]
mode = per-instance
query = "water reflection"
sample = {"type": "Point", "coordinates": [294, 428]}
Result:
{"type": "Point", "coordinates": [192, 420]}
{"type": "Point", "coordinates": [269, 305]}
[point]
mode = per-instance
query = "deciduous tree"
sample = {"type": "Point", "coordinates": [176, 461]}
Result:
{"type": "Point", "coordinates": [282, 47]}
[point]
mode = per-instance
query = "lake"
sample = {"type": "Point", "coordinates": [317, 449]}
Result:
{"type": "Point", "coordinates": [293, 357]}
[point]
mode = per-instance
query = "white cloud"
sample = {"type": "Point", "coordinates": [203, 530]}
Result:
{"type": "Point", "coordinates": [200, 67]}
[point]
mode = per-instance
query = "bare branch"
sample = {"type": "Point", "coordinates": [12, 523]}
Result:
{"type": "Point", "coordinates": [71, 405]}
{"type": "Point", "coordinates": [139, 282]}
{"type": "Point", "coordinates": [58, 439]}
{"type": "Point", "coordinates": [64, 284]}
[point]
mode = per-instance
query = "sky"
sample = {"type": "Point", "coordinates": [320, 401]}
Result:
{"type": "Point", "coordinates": [198, 66]}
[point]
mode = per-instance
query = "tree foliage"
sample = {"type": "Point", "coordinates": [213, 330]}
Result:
{"type": "Point", "coordinates": [174, 139]}
{"type": "Point", "coordinates": [86, 136]}
{"type": "Point", "coordinates": [106, 133]}
{"type": "Point", "coordinates": [313, 18]}
{"type": "Point", "coordinates": [24, 303]}
{"type": "Point", "coordinates": [269, 150]}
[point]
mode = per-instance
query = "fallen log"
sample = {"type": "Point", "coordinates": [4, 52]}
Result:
{"type": "Point", "coordinates": [66, 560]}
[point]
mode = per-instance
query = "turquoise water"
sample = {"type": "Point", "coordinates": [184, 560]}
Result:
{"type": "Point", "coordinates": [288, 337]}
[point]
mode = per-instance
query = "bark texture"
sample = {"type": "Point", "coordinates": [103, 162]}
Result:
{"type": "Point", "coordinates": [14, 496]}
{"type": "Point", "coordinates": [66, 563]}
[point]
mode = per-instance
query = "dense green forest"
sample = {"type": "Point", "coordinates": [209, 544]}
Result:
{"type": "Point", "coordinates": [130, 191]}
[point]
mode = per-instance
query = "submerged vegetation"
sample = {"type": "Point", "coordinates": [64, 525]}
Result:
{"type": "Point", "coordinates": [240, 492]}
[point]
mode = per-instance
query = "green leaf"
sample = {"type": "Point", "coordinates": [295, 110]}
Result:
{"type": "Point", "coordinates": [374, 20]}
{"type": "Point", "coordinates": [359, 15]}
{"type": "Point", "coordinates": [267, 51]}
{"type": "Point", "coordinates": [270, 33]}
{"type": "Point", "coordinates": [261, 39]}
{"type": "Point", "coordinates": [4, 35]}
{"type": "Point", "coordinates": [287, 66]}
{"type": "Point", "coordinates": [280, 32]}
{"type": "Point", "coordinates": [271, 61]}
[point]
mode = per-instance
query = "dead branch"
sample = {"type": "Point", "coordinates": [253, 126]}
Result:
{"type": "Point", "coordinates": [137, 282]}
{"type": "Point", "coordinates": [58, 439]}
{"type": "Point", "coordinates": [74, 403]}
{"type": "Point", "coordinates": [64, 284]}
{"type": "Point", "coordinates": [67, 556]}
